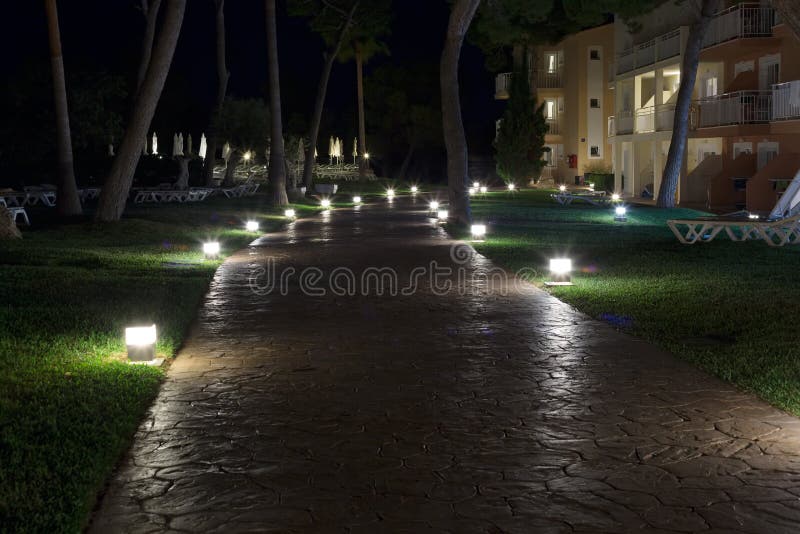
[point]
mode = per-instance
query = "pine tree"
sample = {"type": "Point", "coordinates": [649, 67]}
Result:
{"type": "Point", "coordinates": [520, 140]}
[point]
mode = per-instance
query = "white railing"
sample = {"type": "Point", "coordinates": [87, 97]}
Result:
{"type": "Point", "coordinates": [502, 85]}
{"type": "Point", "coordinates": [786, 101]}
{"type": "Point", "coordinates": [624, 122]}
{"type": "Point", "coordinates": [741, 107]}
{"type": "Point", "coordinates": [665, 117]}
{"type": "Point", "coordinates": [663, 47]}
{"type": "Point", "coordinates": [645, 119]}
{"type": "Point", "coordinates": [612, 127]}
{"type": "Point", "coordinates": [548, 80]}
{"type": "Point", "coordinates": [740, 20]}
{"type": "Point", "coordinates": [554, 126]}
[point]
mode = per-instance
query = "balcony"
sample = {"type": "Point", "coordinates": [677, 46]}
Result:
{"type": "Point", "coordinates": [624, 122]}
{"type": "Point", "coordinates": [645, 120]}
{"type": "Point", "coordinates": [786, 101]}
{"type": "Point", "coordinates": [554, 126]}
{"type": "Point", "coordinates": [740, 21]}
{"type": "Point", "coordinates": [741, 107]}
{"type": "Point", "coordinates": [502, 86]}
{"type": "Point", "coordinates": [612, 126]}
{"type": "Point", "coordinates": [663, 47]}
{"type": "Point", "coordinates": [548, 79]}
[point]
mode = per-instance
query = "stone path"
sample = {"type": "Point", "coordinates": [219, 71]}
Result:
{"type": "Point", "coordinates": [465, 412]}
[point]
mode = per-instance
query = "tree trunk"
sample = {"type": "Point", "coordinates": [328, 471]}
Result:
{"type": "Point", "coordinates": [118, 182]}
{"type": "Point", "coordinates": [182, 182]}
{"type": "Point", "coordinates": [412, 146]}
{"type": "Point", "coordinates": [230, 168]}
{"type": "Point", "coordinates": [680, 127]}
{"type": "Point", "coordinates": [151, 16]}
{"type": "Point", "coordinates": [789, 11]}
{"type": "Point", "coordinates": [455, 141]}
{"type": "Point", "coordinates": [67, 201]}
{"type": "Point", "coordinates": [277, 169]}
{"type": "Point", "coordinates": [362, 129]}
{"type": "Point", "coordinates": [319, 105]}
{"type": "Point", "coordinates": [222, 89]}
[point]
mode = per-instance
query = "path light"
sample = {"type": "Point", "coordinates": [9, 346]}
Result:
{"type": "Point", "coordinates": [390, 193]}
{"type": "Point", "coordinates": [476, 185]}
{"type": "Point", "coordinates": [252, 226]}
{"type": "Point", "coordinates": [325, 203]}
{"type": "Point", "coordinates": [591, 186]}
{"type": "Point", "coordinates": [290, 214]}
{"type": "Point", "coordinates": [247, 156]}
{"type": "Point", "coordinates": [434, 205]}
{"type": "Point", "coordinates": [443, 215]}
{"type": "Point", "coordinates": [471, 191]}
{"type": "Point", "coordinates": [511, 187]}
{"type": "Point", "coordinates": [753, 216]}
{"type": "Point", "coordinates": [356, 200]}
{"type": "Point", "coordinates": [211, 249]}
{"type": "Point", "coordinates": [620, 214]}
{"type": "Point", "coordinates": [414, 189]}
{"type": "Point", "coordinates": [478, 232]}
{"type": "Point", "coordinates": [141, 343]}
{"type": "Point", "coordinates": [366, 155]}
{"type": "Point", "coordinates": [615, 197]}
{"type": "Point", "coordinates": [562, 188]}
{"type": "Point", "coordinates": [484, 189]}
{"type": "Point", "coordinates": [560, 269]}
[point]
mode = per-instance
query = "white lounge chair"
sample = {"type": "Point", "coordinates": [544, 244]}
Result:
{"type": "Point", "coordinates": [781, 227]}
{"type": "Point", "coordinates": [598, 198]}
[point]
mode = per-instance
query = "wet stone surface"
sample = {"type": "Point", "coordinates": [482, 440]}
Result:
{"type": "Point", "coordinates": [491, 408]}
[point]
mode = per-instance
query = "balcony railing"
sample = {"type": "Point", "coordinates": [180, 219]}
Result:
{"type": "Point", "coordinates": [665, 117]}
{"type": "Point", "coordinates": [643, 55]}
{"type": "Point", "coordinates": [624, 122]}
{"type": "Point", "coordinates": [612, 126]}
{"type": "Point", "coordinates": [548, 79]}
{"type": "Point", "coordinates": [738, 21]}
{"type": "Point", "coordinates": [502, 85]}
{"type": "Point", "coordinates": [741, 107]}
{"type": "Point", "coordinates": [645, 119]}
{"type": "Point", "coordinates": [554, 126]}
{"type": "Point", "coordinates": [786, 101]}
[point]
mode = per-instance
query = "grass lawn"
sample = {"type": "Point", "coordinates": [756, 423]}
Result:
{"type": "Point", "coordinates": [729, 308]}
{"type": "Point", "coordinates": [69, 405]}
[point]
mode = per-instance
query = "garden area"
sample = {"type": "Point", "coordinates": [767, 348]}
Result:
{"type": "Point", "coordinates": [69, 400]}
{"type": "Point", "coordinates": [726, 307]}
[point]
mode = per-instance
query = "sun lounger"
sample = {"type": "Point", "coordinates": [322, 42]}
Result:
{"type": "Point", "coordinates": [16, 212]}
{"type": "Point", "coordinates": [35, 195]}
{"type": "Point", "coordinates": [598, 198]}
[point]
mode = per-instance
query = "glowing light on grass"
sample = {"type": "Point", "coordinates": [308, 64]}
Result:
{"type": "Point", "coordinates": [366, 155]}
{"type": "Point", "coordinates": [443, 215]}
{"type": "Point", "coordinates": [476, 185]}
{"type": "Point", "coordinates": [356, 200]}
{"type": "Point", "coordinates": [484, 189]}
{"type": "Point", "coordinates": [141, 343]}
{"type": "Point", "coordinates": [290, 214]}
{"type": "Point", "coordinates": [325, 203]}
{"type": "Point", "coordinates": [560, 269]}
{"type": "Point", "coordinates": [390, 193]}
{"type": "Point", "coordinates": [471, 191]}
{"type": "Point", "coordinates": [211, 249]}
{"type": "Point", "coordinates": [248, 156]}
{"type": "Point", "coordinates": [615, 197]}
{"type": "Point", "coordinates": [414, 189]}
{"type": "Point", "coordinates": [620, 214]}
{"type": "Point", "coordinates": [511, 187]}
{"type": "Point", "coordinates": [478, 232]}
{"type": "Point", "coordinates": [753, 216]}
{"type": "Point", "coordinates": [434, 205]}
{"type": "Point", "coordinates": [562, 188]}
{"type": "Point", "coordinates": [252, 226]}
{"type": "Point", "coordinates": [591, 186]}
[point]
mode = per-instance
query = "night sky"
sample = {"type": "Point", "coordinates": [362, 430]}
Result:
{"type": "Point", "coordinates": [106, 35]}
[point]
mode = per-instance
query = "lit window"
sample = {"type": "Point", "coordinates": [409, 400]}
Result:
{"type": "Point", "coordinates": [594, 103]}
{"type": "Point", "coordinates": [551, 60]}
{"type": "Point", "coordinates": [550, 109]}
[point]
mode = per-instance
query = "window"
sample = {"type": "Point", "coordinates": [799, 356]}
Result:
{"type": "Point", "coordinates": [711, 87]}
{"type": "Point", "coordinates": [551, 62]}
{"type": "Point", "coordinates": [594, 54]}
{"type": "Point", "coordinates": [594, 151]}
{"type": "Point", "coordinates": [594, 103]}
{"type": "Point", "coordinates": [549, 109]}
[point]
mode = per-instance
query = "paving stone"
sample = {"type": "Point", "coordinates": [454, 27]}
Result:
{"type": "Point", "coordinates": [469, 411]}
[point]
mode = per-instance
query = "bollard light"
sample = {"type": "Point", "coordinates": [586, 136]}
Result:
{"type": "Point", "coordinates": [251, 226]}
{"type": "Point", "coordinates": [443, 215]}
{"type": "Point", "coordinates": [476, 185]}
{"type": "Point", "coordinates": [289, 214]}
{"type": "Point", "coordinates": [484, 189]}
{"type": "Point", "coordinates": [248, 156]}
{"type": "Point", "coordinates": [414, 189]}
{"type": "Point", "coordinates": [511, 187]}
{"type": "Point", "coordinates": [753, 216]}
{"type": "Point", "coordinates": [615, 197]}
{"type": "Point", "coordinates": [325, 203]}
{"type": "Point", "coordinates": [390, 193]}
{"type": "Point", "coordinates": [562, 188]}
{"type": "Point", "coordinates": [211, 249]}
{"type": "Point", "coordinates": [478, 232]}
{"type": "Point", "coordinates": [434, 205]}
{"type": "Point", "coordinates": [471, 191]}
{"type": "Point", "coordinates": [591, 186]}
{"type": "Point", "coordinates": [356, 200]}
{"type": "Point", "coordinates": [560, 269]}
{"type": "Point", "coordinates": [141, 343]}
{"type": "Point", "coordinates": [620, 214]}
